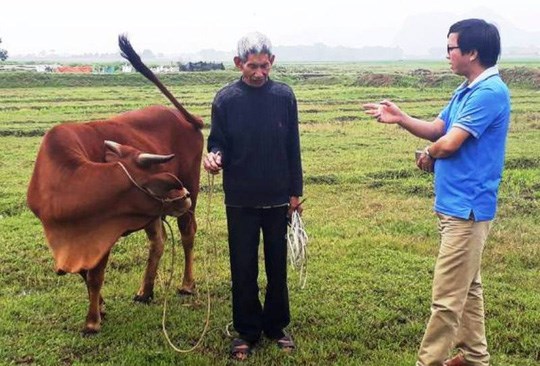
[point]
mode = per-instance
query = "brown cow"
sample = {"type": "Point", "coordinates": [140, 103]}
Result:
{"type": "Point", "coordinates": [95, 182]}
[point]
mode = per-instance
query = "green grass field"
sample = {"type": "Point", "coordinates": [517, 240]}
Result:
{"type": "Point", "coordinates": [373, 236]}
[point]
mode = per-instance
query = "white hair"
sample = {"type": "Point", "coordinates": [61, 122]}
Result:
{"type": "Point", "coordinates": [253, 43]}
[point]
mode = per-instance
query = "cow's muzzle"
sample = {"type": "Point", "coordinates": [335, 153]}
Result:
{"type": "Point", "coordinates": [175, 206]}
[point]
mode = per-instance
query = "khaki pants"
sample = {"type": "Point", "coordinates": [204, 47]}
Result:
{"type": "Point", "coordinates": [457, 309]}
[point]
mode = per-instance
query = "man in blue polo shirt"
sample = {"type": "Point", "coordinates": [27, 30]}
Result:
{"type": "Point", "coordinates": [467, 156]}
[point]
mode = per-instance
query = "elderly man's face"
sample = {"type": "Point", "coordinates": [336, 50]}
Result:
{"type": "Point", "coordinates": [255, 69]}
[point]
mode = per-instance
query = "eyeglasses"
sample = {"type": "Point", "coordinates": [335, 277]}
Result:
{"type": "Point", "coordinates": [450, 48]}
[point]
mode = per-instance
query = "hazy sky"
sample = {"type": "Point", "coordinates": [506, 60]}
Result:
{"type": "Point", "coordinates": [185, 26]}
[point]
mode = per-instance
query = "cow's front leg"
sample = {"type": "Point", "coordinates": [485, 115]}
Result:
{"type": "Point", "coordinates": [94, 281]}
{"type": "Point", "coordinates": [188, 228]}
{"type": "Point", "coordinates": [156, 236]}
{"type": "Point", "coordinates": [102, 312]}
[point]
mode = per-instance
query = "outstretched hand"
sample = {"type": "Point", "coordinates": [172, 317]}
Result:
{"type": "Point", "coordinates": [384, 112]}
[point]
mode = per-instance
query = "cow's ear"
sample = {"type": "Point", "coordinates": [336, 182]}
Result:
{"type": "Point", "coordinates": [113, 151]}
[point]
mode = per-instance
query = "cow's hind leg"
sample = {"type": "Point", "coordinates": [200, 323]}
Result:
{"type": "Point", "coordinates": [188, 228]}
{"type": "Point", "coordinates": [156, 236]}
{"type": "Point", "coordinates": [94, 280]}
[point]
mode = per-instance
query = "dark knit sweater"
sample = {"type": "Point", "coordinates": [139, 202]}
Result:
{"type": "Point", "coordinates": [256, 131]}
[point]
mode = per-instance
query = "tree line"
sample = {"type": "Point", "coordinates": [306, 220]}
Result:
{"type": "Point", "coordinates": [3, 53]}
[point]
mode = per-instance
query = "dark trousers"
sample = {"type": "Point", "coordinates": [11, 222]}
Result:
{"type": "Point", "coordinates": [244, 226]}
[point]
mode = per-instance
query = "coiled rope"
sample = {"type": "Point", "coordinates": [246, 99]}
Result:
{"type": "Point", "coordinates": [297, 240]}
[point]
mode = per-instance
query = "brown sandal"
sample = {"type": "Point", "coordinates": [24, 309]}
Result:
{"type": "Point", "coordinates": [240, 349]}
{"type": "Point", "coordinates": [286, 343]}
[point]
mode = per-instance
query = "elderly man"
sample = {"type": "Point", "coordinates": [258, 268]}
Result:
{"type": "Point", "coordinates": [467, 155]}
{"type": "Point", "coordinates": [254, 138]}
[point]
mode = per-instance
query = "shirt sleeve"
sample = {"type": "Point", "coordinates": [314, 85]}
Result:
{"type": "Point", "coordinates": [479, 111]}
{"type": "Point", "coordinates": [216, 138]}
{"type": "Point", "coordinates": [294, 156]}
{"type": "Point", "coordinates": [445, 116]}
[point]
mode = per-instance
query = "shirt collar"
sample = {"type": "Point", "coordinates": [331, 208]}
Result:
{"type": "Point", "coordinates": [490, 71]}
{"type": "Point", "coordinates": [262, 87]}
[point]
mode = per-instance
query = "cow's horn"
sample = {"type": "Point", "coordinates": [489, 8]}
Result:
{"type": "Point", "coordinates": [145, 158]}
{"type": "Point", "coordinates": [114, 146]}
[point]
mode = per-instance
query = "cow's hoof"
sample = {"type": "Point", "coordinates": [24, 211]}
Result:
{"type": "Point", "coordinates": [89, 331]}
{"type": "Point", "coordinates": [145, 299]}
{"type": "Point", "coordinates": [186, 292]}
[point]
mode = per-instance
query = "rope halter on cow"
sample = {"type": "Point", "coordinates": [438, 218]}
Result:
{"type": "Point", "coordinates": [153, 195]}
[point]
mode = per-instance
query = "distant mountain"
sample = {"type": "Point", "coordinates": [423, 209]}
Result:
{"type": "Point", "coordinates": [424, 32]}
{"type": "Point", "coordinates": [51, 56]}
{"type": "Point", "coordinates": [322, 52]}
{"type": "Point", "coordinates": [309, 53]}
{"type": "Point", "coordinates": [420, 36]}
{"type": "Point", "coordinates": [424, 35]}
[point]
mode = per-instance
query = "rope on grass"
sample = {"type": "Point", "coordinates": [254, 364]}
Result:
{"type": "Point", "coordinates": [227, 331]}
{"type": "Point", "coordinates": [206, 277]}
{"type": "Point", "coordinates": [297, 240]}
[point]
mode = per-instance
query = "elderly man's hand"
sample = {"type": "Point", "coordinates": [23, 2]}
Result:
{"type": "Point", "coordinates": [212, 163]}
{"type": "Point", "coordinates": [295, 204]}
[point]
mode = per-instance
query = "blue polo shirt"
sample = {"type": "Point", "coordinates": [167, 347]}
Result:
{"type": "Point", "coordinates": [467, 182]}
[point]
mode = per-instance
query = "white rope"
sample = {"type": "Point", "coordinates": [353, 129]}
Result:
{"type": "Point", "coordinates": [164, 314]}
{"type": "Point", "coordinates": [207, 280]}
{"type": "Point", "coordinates": [297, 240]}
{"type": "Point", "coordinates": [227, 332]}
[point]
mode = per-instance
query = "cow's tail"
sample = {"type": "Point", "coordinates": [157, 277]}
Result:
{"type": "Point", "coordinates": [129, 54]}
